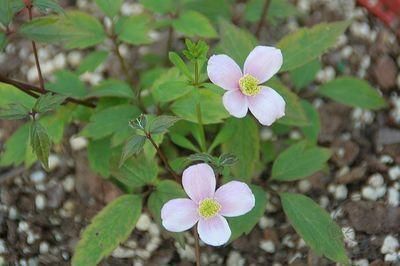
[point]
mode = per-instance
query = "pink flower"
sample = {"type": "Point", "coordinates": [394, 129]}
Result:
{"type": "Point", "coordinates": [206, 206]}
{"type": "Point", "coordinates": [243, 89]}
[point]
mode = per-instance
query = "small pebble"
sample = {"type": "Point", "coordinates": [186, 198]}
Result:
{"type": "Point", "coordinates": [54, 162]}
{"type": "Point", "coordinates": [3, 247]}
{"type": "Point", "coordinates": [341, 192]}
{"type": "Point", "coordinates": [23, 226]}
{"type": "Point", "coordinates": [386, 159]}
{"type": "Point", "coordinates": [69, 183]}
{"type": "Point", "coordinates": [143, 223]}
{"type": "Point", "coordinates": [78, 143]}
{"type": "Point", "coordinates": [40, 201]}
{"type": "Point", "coordinates": [43, 247]}
{"type": "Point", "coordinates": [393, 257]}
{"type": "Point", "coordinates": [12, 213]}
{"type": "Point", "coordinates": [304, 185]}
{"type": "Point", "coordinates": [393, 196]}
{"type": "Point", "coordinates": [361, 262]}
{"type": "Point", "coordinates": [372, 193]}
{"type": "Point", "coordinates": [376, 180]}
{"type": "Point", "coordinates": [394, 172]}
{"type": "Point", "coordinates": [267, 245]}
{"type": "Point", "coordinates": [74, 58]}
{"type": "Point", "coordinates": [390, 245]}
{"type": "Point", "coordinates": [349, 236]}
{"type": "Point", "coordinates": [235, 259]}
{"type": "Point", "coordinates": [37, 177]}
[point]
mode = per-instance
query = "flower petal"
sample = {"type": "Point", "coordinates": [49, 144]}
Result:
{"type": "Point", "coordinates": [236, 198]}
{"type": "Point", "coordinates": [235, 103]}
{"type": "Point", "coordinates": [263, 62]}
{"type": "Point", "coordinates": [179, 215]}
{"type": "Point", "coordinates": [267, 106]}
{"type": "Point", "coordinates": [224, 72]}
{"type": "Point", "coordinates": [214, 231]}
{"type": "Point", "coordinates": [199, 182]}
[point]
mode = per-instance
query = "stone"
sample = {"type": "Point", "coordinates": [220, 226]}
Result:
{"type": "Point", "coordinates": [40, 201]}
{"type": "Point", "coordinates": [38, 177]}
{"type": "Point", "coordinates": [267, 246]}
{"type": "Point", "coordinates": [385, 72]}
{"type": "Point", "coordinates": [390, 245]}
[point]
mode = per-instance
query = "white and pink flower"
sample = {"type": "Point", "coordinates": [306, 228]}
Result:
{"type": "Point", "coordinates": [243, 89]}
{"type": "Point", "coordinates": [205, 206]}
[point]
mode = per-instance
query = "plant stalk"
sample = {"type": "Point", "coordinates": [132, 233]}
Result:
{"type": "Point", "coordinates": [197, 245]}
{"type": "Point", "coordinates": [263, 17]}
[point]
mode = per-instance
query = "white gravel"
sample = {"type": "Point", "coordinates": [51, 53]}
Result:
{"type": "Point", "coordinates": [267, 246]}
{"type": "Point", "coordinates": [390, 245]}
{"type": "Point", "coordinates": [143, 224]}
{"type": "Point", "coordinates": [40, 201]}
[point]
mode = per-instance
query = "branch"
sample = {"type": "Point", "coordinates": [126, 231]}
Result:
{"type": "Point", "coordinates": [262, 19]}
{"type": "Point", "coordinates": [36, 91]}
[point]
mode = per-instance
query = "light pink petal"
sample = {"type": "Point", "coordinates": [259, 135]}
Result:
{"type": "Point", "coordinates": [263, 62]}
{"type": "Point", "coordinates": [214, 231]}
{"type": "Point", "coordinates": [235, 198]}
{"type": "Point", "coordinates": [235, 103]}
{"type": "Point", "coordinates": [179, 215]}
{"type": "Point", "coordinates": [199, 182]}
{"type": "Point", "coordinates": [267, 106]}
{"type": "Point", "coordinates": [224, 72]}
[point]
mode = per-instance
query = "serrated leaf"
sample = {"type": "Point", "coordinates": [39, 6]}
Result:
{"type": "Point", "coordinates": [110, 227]}
{"type": "Point", "coordinates": [298, 161]}
{"type": "Point", "coordinates": [171, 90]}
{"type": "Point", "coordinates": [306, 44]}
{"type": "Point", "coordinates": [14, 111]}
{"type": "Point", "coordinates": [315, 226]}
{"type": "Point", "coordinates": [110, 7]}
{"type": "Point", "coordinates": [278, 10]}
{"type": "Point", "coordinates": [244, 143]}
{"type": "Point", "coordinates": [245, 223]}
{"type": "Point", "coordinates": [68, 83]}
{"type": "Point", "coordinates": [304, 75]}
{"type": "Point", "coordinates": [92, 61]}
{"type": "Point", "coordinates": [99, 154]}
{"type": "Point", "coordinates": [134, 29]}
{"type": "Point", "coordinates": [11, 95]}
{"type": "Point", "coordinates": [180, 64]}
{"type": "Point", "coordinates": [160, 124]}
{"type": "Point", "coordinates": [354, 92]}
{"type": "Point", "coordinates": [43, 5]}
{"type": "Point", "coordinates": [132, 147]}
{"type": "Point", "coordinates": [158, 6]}
{"type": "Point", "coordinates": [48, 102]}
{"type": "Point", "coordinates": [40, 143]}
{"type": "Point", "coordinates": [194, 24]}
{"type": "Point", "coordinates": [76, 30]}
{"type": "Point", "coordinates": [112, 88]}
{"type": "Point", "coordinates": [213, 9]}
{"type": "Point", "coordinates": [8, 8]}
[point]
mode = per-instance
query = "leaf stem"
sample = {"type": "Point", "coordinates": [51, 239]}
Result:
{"type": "Point", "coordinates": [197, 245]}
{"type": "Point", "coordinates": [203, 145]}
{"type": "Point", "coordinates": [263, 17]}
{"type": "Point", "coordinates": [196, 73]}
{"type": "Point", "coordinates": [163, 157]}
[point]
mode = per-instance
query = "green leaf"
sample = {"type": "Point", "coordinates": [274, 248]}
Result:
{"type": "Point", "coordinates": [14, 111]}
{"type": "Point", "coordinates": [56, 122]}
{"type": "Point", "coordinates": [294, 113]}
{"type": "Point", "coordinates": [306, 44]}
{"type": "Point", "coordinates": [183, 142]}
{"type": "Point", "coordinates": [68, 83]}
{"type": "Point", "coordinates": [110, 7]}
{"type": "Point", "coordinates": [194, 24]}
{"type": "Point", "coordinates": [235, 42]}
{"type": "Point", "coordinates": [112, 88]}
{"type": "Point", "coordinates": [3, 41]}
{"type": "Point", "coordinates": [245, 223]}
{"type": "Point", "coordinates": [354, 92]}
{"type": "Point", "coordinates": [213, 9]}
{"type": "Point", "coordinates": [171, 90]}
{"type": "Point", "coordinates": [311, 131]}
{"type": "Point", "coordinates": [136, 172]}
{"type": "Point", "coordinates": [298, 161]}
{"type": "Point", "coordinates": [8, 8]}
{"type": "Point", "coordinates": [48, 102]}
{"type": "Point", "coordinates": [160, 124]}
{"type": "Point", "coordinates": [43, 5]}
{"type": "Point", "coordinates": [278, 10]}
{"type": "Point", "coordinates": [76, 30]}
{"type": "Point", "coordinates": [17, 148]}
{"type": "Point", "coordinates": [40, 143]}
{"type": "Point", "coordinates": [244, 143]}
{"type": "Point", "coordinates": [110, 120]}
{"type": "Point", "coordinates": [134, 29]}
{"type": "Point", "coordinates": [11, 95]}
{"type": "Point", "coordinates": [132, 147]}
{"type": "Point", "coordinates": [110, 227]}
{"type": "Point", "coordinates": [304, 75]}
{"type": "Point", "coordinates": [212, 110]}
{"type": "Point", "coordinates": [315, 226]}
{"type": "Point", "coordinates": [99, 154]}
{"type": "Point", "coordinates": [180, 64]}
{"type": "Point", "coordinates": [92, 61]}
{"type": "Point", "coordinates": [158, 6]}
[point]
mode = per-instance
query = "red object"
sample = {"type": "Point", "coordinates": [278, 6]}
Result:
{"type": "Point", "coordinates": [387, 11]}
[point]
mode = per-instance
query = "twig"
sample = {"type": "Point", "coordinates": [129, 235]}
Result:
{"type": "Point", "coordinates": [41, 81]}
{"type": "Point", "coordinates": [163, 158]}
{"type": "Point", "coordinates": [197, 245]}
{"type": "Point", "coordinates": [263, 17]}
{"type": "Point", "coordinates": [32, 90]}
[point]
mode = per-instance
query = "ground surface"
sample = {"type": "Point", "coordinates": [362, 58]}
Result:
{"type": "Point", "coordinates": [41, 214]}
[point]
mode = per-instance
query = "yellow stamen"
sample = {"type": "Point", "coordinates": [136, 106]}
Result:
{"type": "Point", "coordinates": [208, 208]}
{"type": "Point", "coordinates": [249, 85]}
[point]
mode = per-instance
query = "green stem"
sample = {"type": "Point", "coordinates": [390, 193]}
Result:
{"type": "Point", "coordinates": [196, 73]}
{"type": "Point", "coordinates": [203, 145]}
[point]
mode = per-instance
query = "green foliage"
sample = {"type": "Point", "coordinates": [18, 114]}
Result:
{"type": "Point", "coordinates": [110, 7]}
{"type": "Point", "coordinates": [171, 90]}
{"type": "Point", "coordinates": [304, 75]}
{"type": "Point", "coordinates": [158, 6]}
{"type": "Point", "coordinates": [92, 61]}
{"type": "Point", "coordinates": [48, 102]}
{"type": "Point", "coordinates": [44, 5]}
{"type": "Point", "coordinates": [278, 10]}
{"type": "Point", "coordinates": [213, 9]}
{"type": "Point", "coordinates": [11, 95]}
{"type": "Point", "coordinates": [180, 64]}
{"type": "Point", "coordinates": [112, 88]}
{"type": "Point", "coordinates": [312, 130]}
{"type": "Point", "coordinates": [3, 41]}
{"type": "Point", "coordinates": [68, 83]}
{"type": "Point", "coordinates": [160, 124]}
{"type": "Point", "coordinates": [7, 10]}
{"type": "Point", "coordinates": [14, 111]}
{"type": "Point", "coordinates": [134, 29]}
{"type": "Point", "coordinates": [76, 30]}
{"type": "Point", "coordinates": [244, 224]}
{"type": "Point", "coordinates": [107, 230]}
{"type": "Point", "coordinates": [40, 142]}
{"type": "Point", "coordinates": [354, 92]}
{"type": "Point", "coordinates": [192, 24]}
{"type": "Point", "coordinates": [298, 161]}
{"type": "Point", "coordinates": [243, 141]}
{"type": "Point", "coordinates": [132, 147]}
{"type": "Point", "coordinates": [99, 154]}
{"type": "Point", "coordinates": [306, 44]}
{"type": "Point", "coordinates": [315, 226]}
{"type": "Point", "coordinates": [195, 51]}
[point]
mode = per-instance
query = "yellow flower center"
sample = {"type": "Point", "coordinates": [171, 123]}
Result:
{"type": "Point", "coordinates": [209, 208]}
{"type": "Point", "coordinates": [249, 85]}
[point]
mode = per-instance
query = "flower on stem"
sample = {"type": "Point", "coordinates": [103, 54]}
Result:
{"type": "Point", "coordinates": [206, 206]}
{"type": "Point", "coordinates": [243, 89]}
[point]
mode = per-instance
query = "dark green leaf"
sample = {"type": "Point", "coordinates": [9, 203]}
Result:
{"type": "Point", "coordinates": [112, 88]}
{"type": "Point", "coordinates": [43, 5]}
{"type": "Point", "coordinates": [68, 83]}
{"type": "Point", "coordinates": [278, 10]}
{"type": "Point", "coordinates": [8, 8]}
{"type": "Point", "coordinates": [11, 95]}
{"type": "Point", "coordinates": [171, 90]}
{"type": "Point", "coordinates": [48, 102]}
{"type": "Point", "coordinates": [158, 6]}
{"type": "Point", "coordinates": [110, 227]}
{"type": "Point", "coordinates": [183, 142]}
{"type": "Point", "coordinates": [180, 64]}
{"type": "Point", "coordinates": [134, 29]}
{"type": "Point", "coordinates": [298, 161]}
{"type": "Point", "coordinates": [99, 154]}
{"type": "Point", "coordinates": [160, 124]}
{"type": "Point", "coordinates": [194, 24]}
{"type": "Point", "coordinates": [354, 92]}
{"type": "Point", "coordinates": [14, 111]}
{"type": "Point", "coordinates": [304, 75]}
{"type": "Point", "coordinates": [311, 131]}
{"type": "Point", "coordinates": [132, 147]}
{"type": "Point", "coordinates": [110, 7]}
{"type": "Point", "coordinates": [213, 9]}
{"type": "Point", "coordinates": [315, 226]}
{"type": "Point", "coordinates": [3, 41]}
{"type": "Point", "coordinates": [92, 61]}
{"type": "Point", "coordinates": [40, 143]}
